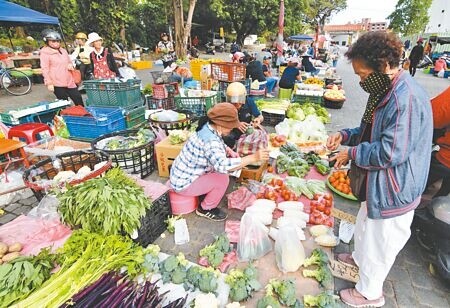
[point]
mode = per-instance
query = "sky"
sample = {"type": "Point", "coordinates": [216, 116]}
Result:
{"type": "Point", "coordinates": [376, 10]}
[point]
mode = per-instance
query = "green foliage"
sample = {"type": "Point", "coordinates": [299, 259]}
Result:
{"type": "Point", "coordinates": [23, 275]}
{"type": "Point", "coordinates": [410, 16]}
{"type": "Point", "coordinates": [317, 11]}
{"type": "Point", "coordinates": [109, 205]}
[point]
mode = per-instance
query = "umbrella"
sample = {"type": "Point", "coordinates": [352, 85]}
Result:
{"type": "Point", "coordinates": [300, 37]}
{"type": "Point", "coordinates": [280, 30]}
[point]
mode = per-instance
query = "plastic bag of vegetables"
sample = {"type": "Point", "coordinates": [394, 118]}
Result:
{"type": "Point", "coordinates": [289, 252]}
{"type": "Point", "coordinates": [254, 241]}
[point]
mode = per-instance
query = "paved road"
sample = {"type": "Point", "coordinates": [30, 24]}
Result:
{"type": "Point", "coordinates": [409, 283]}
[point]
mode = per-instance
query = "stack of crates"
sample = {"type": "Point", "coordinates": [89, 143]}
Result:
{"type": "Point", "coordinates": [109, 93]}
{"type": "Point", "coordinates": [226, 73]}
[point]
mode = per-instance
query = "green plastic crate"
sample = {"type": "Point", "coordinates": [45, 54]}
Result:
{"type": "Point", "coordinates": [197, 105]}
{"type": "Point", "coordinates": [111, 93]}
{"type": "Point", "coordinates": [301, 99]}
{"type": "Point", "coordinates": [134, 116]}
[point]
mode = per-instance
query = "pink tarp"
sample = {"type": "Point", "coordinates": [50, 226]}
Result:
{"type": "Point", "coordinates": [34, 234]}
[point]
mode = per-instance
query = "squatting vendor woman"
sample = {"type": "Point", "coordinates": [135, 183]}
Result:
{"type": "Point", "coordinates": [202, 166]}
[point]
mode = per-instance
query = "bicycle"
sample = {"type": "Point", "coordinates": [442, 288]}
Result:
{"type": "Point", "coordinates": [14, 81]}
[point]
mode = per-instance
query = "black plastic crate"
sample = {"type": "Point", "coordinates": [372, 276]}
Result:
{"type": "Point", "coordinates": [153, 223]}
{"type": "Point", "coordinates": [272, 119]}
{"type": "Point", "coordinates": [160, 103]}
{"type": "Point", "coordinates": [139, 160]}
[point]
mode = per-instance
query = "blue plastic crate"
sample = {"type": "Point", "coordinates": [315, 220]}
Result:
{"type": "Point", "coordinates": [104, 121]}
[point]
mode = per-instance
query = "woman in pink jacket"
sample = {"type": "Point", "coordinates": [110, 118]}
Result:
{"type": "Point", "coordinates": [56, 66]}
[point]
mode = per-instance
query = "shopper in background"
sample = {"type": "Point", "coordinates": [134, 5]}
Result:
{"type": "Point", "coordinates": [56, 68]}
{"type": "Point", "coordinates": [202, 167]}
{"type": "Point", "coordinates": [415, 56]}
{"type": "Point", "coordinates": [290, 74]}
{"type": "Point", "coordinates": [335, 53]}
{"type": "Point", "coordinates": [267, 70]}
{"type": "Point", "coordinates": [178, 72]}
{"type": "Point", "coordinates": [103, 64]}
{"type": "Point", "coordinates": [81, 54]}
{"type": "Point", "coordinates": [390, 156]}
{"type": "Point", "coordinates": [165, 47]}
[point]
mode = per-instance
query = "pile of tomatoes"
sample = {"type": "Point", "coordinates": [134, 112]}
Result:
{"type": "Point", "coordinates": [320, 210]}
{"type": "Point", "coordinates": [340, 181]}
{"type": "Point", "coordinates": [277, 140]}
{"type": "Point", "coordinates": [276, 191]}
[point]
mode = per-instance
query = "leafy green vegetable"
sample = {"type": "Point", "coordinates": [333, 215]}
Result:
{"type": "Point", "coordinates": [109, 205]}
{"type": "Point", "coordinates": [242, 283]}
{"type": "Point", "coordinates": [322, 274]}
{"type": "Point", "coordinates": [170, 221]}
{"type": "Point", "coordinates": [272, 103]}
{"type": "Point", "coordinates": [216, 251]}
{"type": "Point", "coordinates": [83, 259]}
{"type": "Point", "coordinates": [142, 137]}
{"type": "Point", "coordinates": [324, 300]}
{"type": "Point", "coordinates": [178, 136]}
{"type": "Point", "coordinates": [203, 278]}
{"type": "Point", "coordinates": [305, 187]}
{"type": "Point", "coordinates": [151, 259]}
{"type": "Point", "coordinates": [23, 275]}
{"type": "Point", "coordinates": [279, 292]}
{"type": "Point", "coordinates": [174, 268]}
{"type": "Point", "coordinates": [318, 257]}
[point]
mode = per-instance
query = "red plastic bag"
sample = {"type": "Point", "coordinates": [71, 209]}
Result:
{"type": "Point", "coordinates": [240, 199]}
{"type": "Point", "coordinates": [249, 144]}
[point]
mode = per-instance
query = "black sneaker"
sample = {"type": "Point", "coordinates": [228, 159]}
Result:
{"type": "Point", "coordinates": [215, 214]}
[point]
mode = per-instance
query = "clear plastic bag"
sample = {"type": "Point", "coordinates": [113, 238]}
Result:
{"type": "Point", "coordinates": [289, 251]}
{"type": "Point", "coordinates": [254, 241]}
{"type": "Point", "coordinates": [46, 209]}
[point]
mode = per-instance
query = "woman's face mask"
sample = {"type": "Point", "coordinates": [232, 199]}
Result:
{"type": "Point", "coordinates": [375, 83]}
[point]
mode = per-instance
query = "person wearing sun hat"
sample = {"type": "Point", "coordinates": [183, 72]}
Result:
{"type": "Point", "coordinates": [103, 65]}
{"type": "Point", "coordinates": [202, 167]}
{"type": "Point", "coordinates": [290, 74]}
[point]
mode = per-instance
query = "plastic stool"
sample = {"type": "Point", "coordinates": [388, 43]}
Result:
{"type": "Point", "coordinates": [182, 204]}
{"type": "Point", "coordinates": [285, 93]}
{"type": "Point", "coordinates": [29, 131]}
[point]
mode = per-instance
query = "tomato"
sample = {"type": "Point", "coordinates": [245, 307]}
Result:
{"type": "Point", "coordinates": [328, 196]}
{"type": "Point", "coordinates": [279, 182]}
{"type": "Point", "coordinates": [328, 203]}
{"type": "Point", "coordinates": [280, 138]}
{"type": "Point", "coordinates": [329, 223]}
{"type": "Point", "coordinates": [317, 196]}
{"type": "Point", "coordinates": [275, 144]}
{"type": "Point", "coordinates": [259, 195]}
{"type": "Point", "coordinates": [320, 207]}
{"type": "Point", "coordinates": [327, 212]}
{"type": "Point", "coordinates": [269, 194]}
{"type": "Point", "coordinates": [270, 169]}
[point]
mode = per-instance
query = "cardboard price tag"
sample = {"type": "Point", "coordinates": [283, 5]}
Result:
{"type": "Point", "coordinates": [344, 271]}
{"type": "Point", "coordinates": [343, 216]}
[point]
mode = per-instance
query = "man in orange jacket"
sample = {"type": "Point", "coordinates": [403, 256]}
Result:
{"type": "Point", "coordinates": [440, 161]}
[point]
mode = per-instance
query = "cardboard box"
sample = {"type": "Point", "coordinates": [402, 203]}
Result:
{"type": "Point", "coordinates": [165, 155]}
{"type": "Point", "coordinates": [253, 172]}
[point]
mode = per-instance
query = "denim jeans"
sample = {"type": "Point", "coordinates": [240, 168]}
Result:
{"type": "Point", "coordinates": [271, 83]}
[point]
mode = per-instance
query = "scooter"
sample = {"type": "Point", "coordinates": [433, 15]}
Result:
{"type": "Point", "coordinates": [193, 52]}
{"type": "Point", "coordinates": [431, 225]}
{"type": "Point", "coordinates": [426, 61]}
{"type": "Point", "coordinates": [210, 49]}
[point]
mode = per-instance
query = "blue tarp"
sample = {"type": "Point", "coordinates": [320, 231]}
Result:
{"type": "Point", "coordinates": [300, 37]}
{"type": "Point", "coordinates": [12, 13]}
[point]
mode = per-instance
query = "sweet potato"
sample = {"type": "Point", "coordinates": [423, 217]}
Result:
{"type": "Point", "coordinates": [16, 247]}
{"type": "Point", "coordinates": [10, 256]}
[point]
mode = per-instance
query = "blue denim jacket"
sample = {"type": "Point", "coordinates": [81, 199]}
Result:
{"type": "Point", "coordinates": [397, 157]}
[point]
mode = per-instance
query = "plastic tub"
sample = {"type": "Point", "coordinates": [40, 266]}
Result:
{"type": "Point", "coordinates": [182, 204]}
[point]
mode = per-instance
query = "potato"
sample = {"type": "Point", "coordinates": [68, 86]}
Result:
{"type": "Point", "coordinates": [10, 256]}
{"type": "Point", "coordinates": [16, 247]}
{"type": "Point", "coordinates": [3, 248]}
{"type": "Point", "coordinates": [1, 262]}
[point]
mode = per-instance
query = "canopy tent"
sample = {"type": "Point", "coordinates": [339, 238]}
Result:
{"type": "Point", "coordinates": [300, 37]}
{"type": "Point", "coordinates": [14, 14]}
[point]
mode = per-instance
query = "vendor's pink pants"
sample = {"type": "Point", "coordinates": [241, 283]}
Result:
{"type": "Point", "coordinates": [213, 185]}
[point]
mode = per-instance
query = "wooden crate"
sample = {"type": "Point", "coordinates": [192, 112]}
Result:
{"type": "Point", "coordinates": [253, 172]}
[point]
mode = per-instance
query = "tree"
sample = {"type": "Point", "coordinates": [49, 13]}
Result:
{"type": "Point", "coordinates": [178, 15]}
{"type": "Point", "coordinates": [410, 16]}
{"type": "Point", "coordinates": [187, 29]}
{"type": "Point", "coordinates": [318, 11]}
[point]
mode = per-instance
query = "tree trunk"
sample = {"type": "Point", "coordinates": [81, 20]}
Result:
{"type": "Point", "coordinates": [187, 30]}
{"type": "Point", "coordinates": [180, 48]}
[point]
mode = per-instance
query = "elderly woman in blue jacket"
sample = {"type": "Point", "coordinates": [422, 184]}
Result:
{"type": "Point", "coordinates": [391, 152]}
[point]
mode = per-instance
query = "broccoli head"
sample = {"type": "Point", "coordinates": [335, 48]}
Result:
{"type": "Point", "coordinates": [322, 274]}
{"type": "Point", "coordinates": [318, 257]}
{"type": "Point", "coordinates": [324, 300]}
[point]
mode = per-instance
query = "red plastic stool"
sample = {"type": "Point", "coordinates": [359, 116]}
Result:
{"type": "Point", "coordinates": [29, 131]}
{"type": "Point", "coordinates": [182, 204]}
